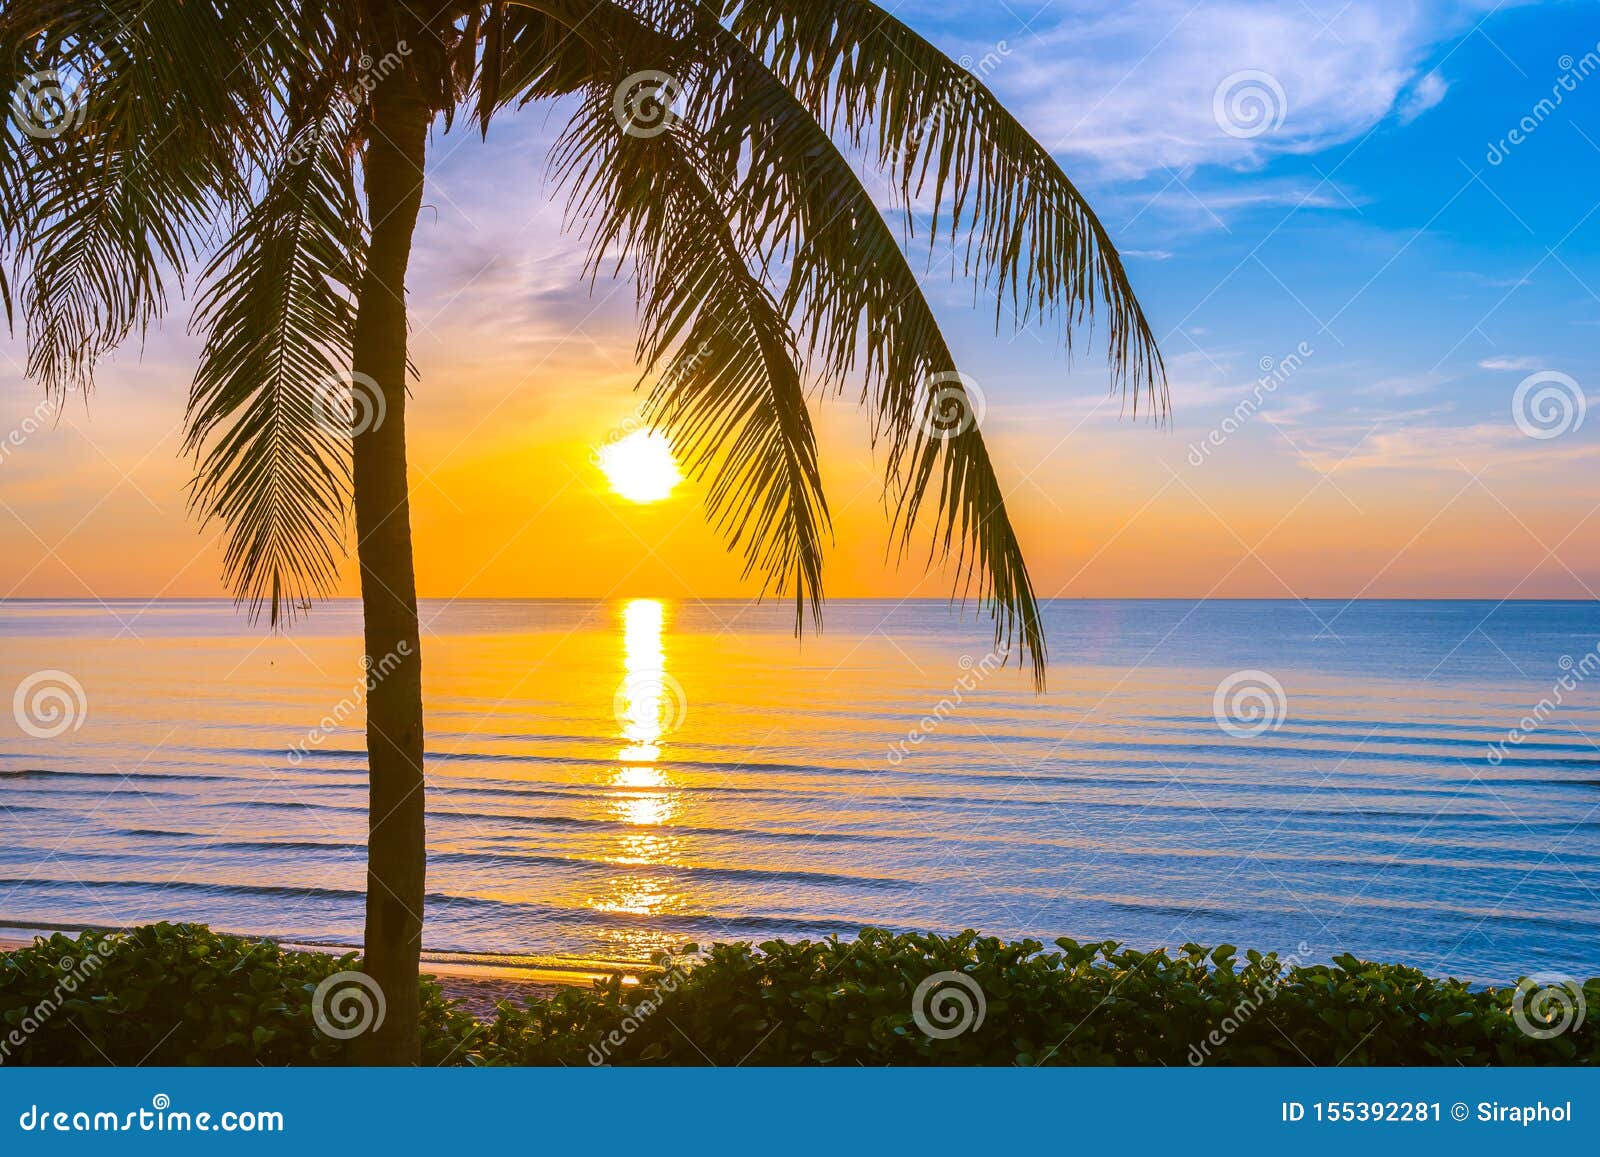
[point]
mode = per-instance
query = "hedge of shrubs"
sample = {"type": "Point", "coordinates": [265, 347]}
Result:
{"type": "Point", "coordinates": [226, 1000]}
{"type": "Point", "coordinates": [180, 994]}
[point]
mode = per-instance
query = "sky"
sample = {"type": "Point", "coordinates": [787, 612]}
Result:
{"type": "Point", "coordinates": [1364, 232]}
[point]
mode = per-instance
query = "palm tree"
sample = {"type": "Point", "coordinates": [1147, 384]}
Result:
{"type": "Point", "coordinates": [277, 149]}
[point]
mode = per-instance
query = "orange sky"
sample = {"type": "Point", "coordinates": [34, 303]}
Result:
{"type": "Point", "coordinates": [508, 502]}
{"type": "Point", "coordinates": [1358, 478]}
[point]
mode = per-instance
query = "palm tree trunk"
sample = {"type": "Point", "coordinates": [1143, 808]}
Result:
{"type": "Point", "coordinates": [396, 848]}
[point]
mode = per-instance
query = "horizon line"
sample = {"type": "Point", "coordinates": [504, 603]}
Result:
{"type": "Point", "coordinates": [784, 601]}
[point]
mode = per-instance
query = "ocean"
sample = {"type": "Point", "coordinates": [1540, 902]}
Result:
{"type": "Point", "coordinates": [1405, 781]}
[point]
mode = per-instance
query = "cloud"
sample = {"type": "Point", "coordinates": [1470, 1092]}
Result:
{"type": "Point", "coordinates": [1148, 84]}
{"type": "Point", "coordinates": [1405, 442]}
{"type": "Point", "coordinates": [1504, 363]}
{"type": "Point", "coordinates": [1425, 94]}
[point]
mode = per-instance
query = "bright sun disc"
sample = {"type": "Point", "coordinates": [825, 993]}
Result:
{"type": "Point", "coordinates": [641, 467]}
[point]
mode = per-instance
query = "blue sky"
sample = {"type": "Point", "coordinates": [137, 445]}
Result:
{"type": "Point", "coordinates": [1370, 223]}
{"type": "Point", "coordinates": [1363, 250]}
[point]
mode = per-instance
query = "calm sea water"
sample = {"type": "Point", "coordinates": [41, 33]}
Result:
{"type": "Point", "coordinates": [609, 778]}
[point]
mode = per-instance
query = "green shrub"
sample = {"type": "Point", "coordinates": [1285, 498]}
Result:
{"type": "Point", "coordinates": [180, 994]}
{"type": "Point", "coordinates": [842, 1003]}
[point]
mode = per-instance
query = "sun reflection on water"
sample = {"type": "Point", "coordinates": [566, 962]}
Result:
{"type": "Point", "coordinates": [642, 696]}
{"type": "Point", "coordinates": [648, 705]}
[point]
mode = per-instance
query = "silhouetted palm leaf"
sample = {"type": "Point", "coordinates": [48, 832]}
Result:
{"type": "Point", "coordinates": [730, 389]}
{"type": "Point", "coordinates": [940, 132]}
{"type": "Point", "coordinates": [762, 260]}
{"type": "Point", "coordinates": [169, 102]}
{"type": "Point", "coordinates": [266, 412]}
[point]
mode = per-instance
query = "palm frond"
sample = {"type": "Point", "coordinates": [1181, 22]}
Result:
{"type": "Point", "coordinates": [851, 288]}
{"type": "Point", "coordinates": [167, 106]}
{"type": "Point", "coordinates": [531, 55]}
{"type": "Point", "coordinates": [265, 412]}
{"type": "Point", "coordinates": [788, 192]}
{"type": "Point", "coordinates": [940, 133]}
{"type": "Point", "coordinates": [730, 390]}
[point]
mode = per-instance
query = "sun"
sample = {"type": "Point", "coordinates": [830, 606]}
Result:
{"type": "Point", "coordinates": [641, 467]}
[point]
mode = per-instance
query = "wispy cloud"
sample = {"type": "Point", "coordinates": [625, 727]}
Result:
{"type": "Point", "coordinates": [1402, 442]}
{"type": "Point", "coordinates": [1425, 94]}
{"type": "Point", "coordinates": [1134, 88]}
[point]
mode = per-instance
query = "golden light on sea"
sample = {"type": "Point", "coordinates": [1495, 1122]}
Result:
{"type": "Point", "coordinates": [649, 703]}
{"type": "Point", "coordinates": [643, 697]}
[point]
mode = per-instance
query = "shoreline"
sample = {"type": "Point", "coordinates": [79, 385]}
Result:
{"type": "Point", "coordinates": [478, 984]}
